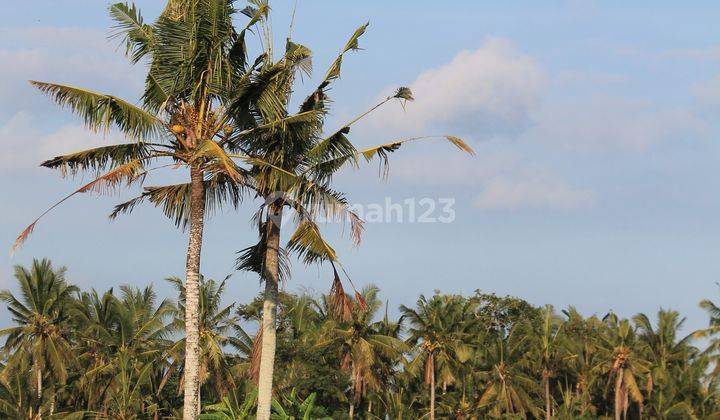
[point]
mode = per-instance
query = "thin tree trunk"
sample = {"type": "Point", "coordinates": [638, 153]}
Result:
{"type": "Point", "coordinates": [432, 392]}
{"type": "Point", "coordinates": [351, 415]}
{"type": "Point", "coordinates": [618, 395]}
{"type": "Point", "coordinates": [191, 401]}
{"type": "Point", "coordinates": [271, 277]}
{"type": "Point", "coordinates": [370, 407]}
{"type": "Point", "coordinates": [39, 392]}
{"type": "Point", "coordinates": [548, 406]}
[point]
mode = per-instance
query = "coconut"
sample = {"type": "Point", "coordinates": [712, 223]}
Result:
{"type": "Point", "coordinates": [177, 128]}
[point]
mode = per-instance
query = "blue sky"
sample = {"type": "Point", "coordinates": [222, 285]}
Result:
{"type": "Point", "coordinates": [595, 182]}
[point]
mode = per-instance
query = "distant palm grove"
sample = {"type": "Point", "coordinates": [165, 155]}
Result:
{"type": "Point", "coordinates": [118, 354]}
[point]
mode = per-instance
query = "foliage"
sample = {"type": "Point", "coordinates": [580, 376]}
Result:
{"type": "Point", "coordinates": [491, 357]}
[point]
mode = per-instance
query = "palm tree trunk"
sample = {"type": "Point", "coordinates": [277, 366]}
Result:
{"type": "Point", "coordinates": [618, 395]}
{"type": "Point", "coordinates": [192, 296]}
{"type": "Point", "coordinates": [271, 276]}
{"type": "Point", "coordinates": [548, 407]}
{"type": "Point", "coordinates": [351, 415]}
{"type": "Point", "coordinates": [432, 392]}
{"type": "Point", "coordinates": [39, 392]}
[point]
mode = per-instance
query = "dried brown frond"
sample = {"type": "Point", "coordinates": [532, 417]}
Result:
{"type": "Point", "coordinates": [254, 370]}
{"type": "Point", "coordinates": [340, 304]}
{"type": "Point", "coordinates": [460, 144]}
{"type": "Point", "coordinates": [126, 173]}
{"type": "Point", "coordinates": [356, 227]}
{"type": "Point", "coordinates": [23, 237]}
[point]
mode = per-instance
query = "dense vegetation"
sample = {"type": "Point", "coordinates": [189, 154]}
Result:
{"type": "Point", "coordinates": [119, 354]}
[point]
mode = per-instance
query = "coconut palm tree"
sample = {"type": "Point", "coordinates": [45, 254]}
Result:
{"type": "Point", "coordinates": [365, 350]}
{"type": "Point", "coordinates": [293, 167]}
{"type": "Point", "coordinates": [549, 353]}
{"type": "Point", "coordinates": [621, 360]}
{"type": "Point", "coordinates": [122, 339]}
{"type": "Point", "coordinates": [439, 329]}
{"type": "Point", "coordinates": [508, 388]}
{"type": "Point", "coordinates": [195, 100]}
{"type": "Point", "coordinates": [41, 317]}
{"type": "Point", "coordinates": [217, 328]}
{"type": "Point", "coordinates": [583, 353]}
{"type": "Point", "coordinates": [667, 355]}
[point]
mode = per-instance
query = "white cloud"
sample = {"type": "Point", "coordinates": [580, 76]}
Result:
{"type": "Point", "coordinates": [534, 190]}
{"type": "Point", "coordinates": [490, 90]}
{"type": "Point", "coordinates": [505, 181]}
{"type": "Point", "coordinates": [65, 55]}
{"type": "Point", "coordinates": [25, 146]}
{"type": "Point", "coordinates": [600, 124]}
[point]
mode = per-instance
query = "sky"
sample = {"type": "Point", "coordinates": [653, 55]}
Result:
{"type": "Point", "coordinates": [594, 185]}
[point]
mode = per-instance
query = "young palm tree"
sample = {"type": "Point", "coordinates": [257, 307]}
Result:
{"type": "Point", "coordinates": [195, 101]}
{"type": "Point", "coordinates": [439, 330]}
{"type": "Point", "coordinates": [41, 315]}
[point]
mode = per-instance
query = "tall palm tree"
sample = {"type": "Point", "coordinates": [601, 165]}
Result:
{"type": "Point", "coordinates": [41, 315]}
{"type": "Point", "coordinates": [293, 167]}
{"type": "Point", "coordinates": [195, 101]}
{"type": "Point", "coordinates": [439, 329]}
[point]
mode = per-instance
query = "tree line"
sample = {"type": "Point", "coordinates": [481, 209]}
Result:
{"type": "Point", "coordinates": [119, 354]}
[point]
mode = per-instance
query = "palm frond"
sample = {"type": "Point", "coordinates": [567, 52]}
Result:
{"type": "Point", "coordinates": [137, 36]}
{"type": "Point", "coordinates": [100, 111]}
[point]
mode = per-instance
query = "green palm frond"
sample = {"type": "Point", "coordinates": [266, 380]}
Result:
{"type": "Point", "coordinates": [100, 111]}
{"type": "Point", "coordinates": [98, 159]}
{"type": "Point", "coordinates": [308, 243]}
{"type": "Point", "coordinates": [137, 36]}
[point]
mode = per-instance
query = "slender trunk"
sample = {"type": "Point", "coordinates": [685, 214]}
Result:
{"type": "Point", "coordinates": [271, 277]}
{"type": "Point", "coordinates": [39, 392]}
{"type": "Point", "coordinates": [351, 415]}
{"type": "Point", "coordinates": [192, 296]}
{"type": "Point", "coordinates": [432, 392]}
{"type": "Point", "coordinates": [369, 407]}
{"type": "Point", "coordinates": [618, 395]}
{"type": "Point", "coordinates": [548, 406]}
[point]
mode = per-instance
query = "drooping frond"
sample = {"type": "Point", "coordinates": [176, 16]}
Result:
{"type": "Point", "coordinates": [339, 302]}
{"type": "Point", "coordinates": [382, 152]}
{"type": "Point", "coordinates": [336, 146]}
{"type": "Point", "coordinates": [137, 36]}
{"type": "Point", "coordinates": [174, 200]}
{"type": "Point", "coordinates": [126, 173]}
{"type": "Point", "coordinates": [308, 243]}
{"type": "Point", "coordinates": [220, 162]}
{"type": "Point", "coordinates": [99, 158]}
{"type": "Point", "coordinates": [252, 258]}
{"type": "Point", "coordinates": [100, 111]}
